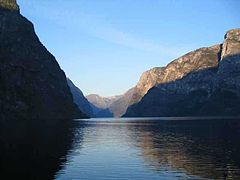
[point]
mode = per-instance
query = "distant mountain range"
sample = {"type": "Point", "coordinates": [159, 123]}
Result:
{"type": "Point", "coordinates": [95, 105]}
{"type": "Point", "coordinates": [114, 106]}
{"type": "Point", "coordinates": [91, 109]}
{"type": "Point", "coordinates": [204, 82]}
{"type": "Point", "coordinates": [101, 102]}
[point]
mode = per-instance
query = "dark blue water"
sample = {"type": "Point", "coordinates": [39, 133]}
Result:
{"type": "Point", "coordinates": [166, 148]}
{"type": "Point", "coordinates": [154, 149]}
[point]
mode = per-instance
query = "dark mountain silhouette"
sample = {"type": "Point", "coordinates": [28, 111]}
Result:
{"type": "Point", "coordinates": [80, 99]}
{"type": "Point", "coordinates": [32, 85]}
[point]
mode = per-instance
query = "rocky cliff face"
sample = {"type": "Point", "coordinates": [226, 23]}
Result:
{"type": "Point", "coordinates": [9, 5]}
{"type": "Point", "coordinates": [32, 85]}
{"type": "Point", "coordinates": [225, 99]}
{"type": "Point", "coordinates": [80, 100]}
{"type": "Point", "coordinates": [199, 59]}
{"type": "Point", "coordinates": [229, 66]}
{"type": "Point", "coordinates": [148, 79]}
{"type": "Point", "coordinates": [202, 82]}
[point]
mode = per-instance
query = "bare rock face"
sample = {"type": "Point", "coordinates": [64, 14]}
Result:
{"type": "Point", "coordinates": [231, 44]}
{"type": "Point", "coordinates": [32, 85]}
{"type": "Point", "coordinates": [148, 80]}
{"type": "Point", "coordinates": [9, 4]}
{"type": "Point", "coordinates": [225, 100]}
{"type": "Point", "coordinates": [229, 67]}
{"type": "Point", "coordinates": [194, 61]}
{"type": "Point", "coordinates": [202, 82]}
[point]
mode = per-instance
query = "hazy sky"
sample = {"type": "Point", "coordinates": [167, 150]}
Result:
{"type": "Point", "coordinates": [105, 45]}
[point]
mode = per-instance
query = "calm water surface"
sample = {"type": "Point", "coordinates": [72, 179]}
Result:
{"type": "Point", "coordinates": [154, 149]}
{"type": "Point", "coordinates": [171, 149]}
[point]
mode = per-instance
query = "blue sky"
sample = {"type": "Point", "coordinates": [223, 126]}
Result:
{"type": "Point", "coordinates": [105, 45]}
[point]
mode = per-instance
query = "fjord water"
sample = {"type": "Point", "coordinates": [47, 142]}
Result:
{"type": "Point", "coordinates": [166, 148]}
{"type": "Point", "coordinates": [154, 149]}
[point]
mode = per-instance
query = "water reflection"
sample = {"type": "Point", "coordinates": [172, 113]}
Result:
{"type": "Point", "coordinates": [125, 149]}
{"type": "Point", "coordinates": [34, 150]}
{"type": "Point", "coordinates": [207, 149]}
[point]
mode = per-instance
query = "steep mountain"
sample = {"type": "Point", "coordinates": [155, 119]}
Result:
{"type": "Point", "coordinates": [148, 79]}
{"type": "Point", "coordinates": [80, 100]}
{"type": "Point", "coordinates": [32, 85]}
{"type": "Point", "coordinates": [203, 82]}
{"type": "Point", "coordinates": [196, 60]}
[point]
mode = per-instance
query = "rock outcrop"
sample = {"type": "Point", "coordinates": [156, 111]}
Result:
{"type": "Point", "coordinates": [229, 66]}
{"type": "Point", "coordinates": [201, 83]}
{"type": "Point", "coordinates": [80, 100]}
{"type": "Point", "coordinates": [32, 85]}
{"type": "Point", "coordinates": [199, 59]}
{"type": "Point", "coordinates": [9, 5]}
{"type": "Point", "coordinates": [148, 80]}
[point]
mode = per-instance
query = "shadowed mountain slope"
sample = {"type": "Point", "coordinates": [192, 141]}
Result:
{"type": "Point", "coordinates": [201, 83]}
{"type": "Point", "coordinates": [80, 100]}
{"type": "Point", "coordinates": [32, 84]}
